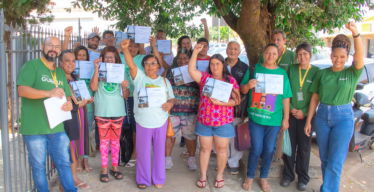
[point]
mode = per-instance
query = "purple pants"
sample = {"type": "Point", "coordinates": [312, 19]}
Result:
{"type": "Point", "coordinates": [145, 137]}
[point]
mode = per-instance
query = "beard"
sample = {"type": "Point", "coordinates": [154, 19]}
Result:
{"type": "Point", "coordinates": [49, 58]}
{"type": "Point", "coordinates": [92, 46]}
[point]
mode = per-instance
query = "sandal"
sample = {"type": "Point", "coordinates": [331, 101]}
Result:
{"type": "Point", "coordinates": [102, 176]}
{"type": "Point", "coordinates": [81, 186]}
{"type": "Point", "coordinates": [116, 174]}
{"type": "Point", "coordinates": [158, 186]}
{"type": "Point", "coordinates": [131, 163]}
{"type": "Point", "coordinates": [217, 183]}
{"type": "Point", "coordinates": [246, 185]}
{"type": "Point", "coordinates": [265, 187]}
{"type": "Point", "coordinates": [185, 154]}
{"type": "Point", "coordinates": [79, 165]}
{"type": "Point", "coordinates": [202, 182]}
{"type": "Point", "coordinates": [87, 168]}
{"type": "Point", "coordinates": [142, 186]}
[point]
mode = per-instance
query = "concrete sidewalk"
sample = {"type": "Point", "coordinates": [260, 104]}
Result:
{"type": "Point", "coordinates": [179, 178]}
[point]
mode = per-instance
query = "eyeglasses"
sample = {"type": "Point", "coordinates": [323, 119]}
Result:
{"type": "Point", "coordinates": [159, 37]}
{"type": "Point", "coordinates": [109, 58]}
{"type": "Point", "coordinates": [51, 46]}
{"type": "Point", "coordinates": [108, 37]}
{"type": "Point", "coordinates": [302, 54]}
{"type": "Point", "coordinates": [147, 64]}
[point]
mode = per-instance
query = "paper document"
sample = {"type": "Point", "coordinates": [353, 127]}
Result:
{"type": "Point", "coordinates": [111, 72]}
{"type": "Point", "coordinates": [120, 36]}
{"type": "Point", "coordinates": [151, 97]}
{"type": "Point", "coordinates": [130, 32]}
{"type": "Point", "coordinates": [269, 83]}
{"type": "Point", "coordinates": [54, 113]}
{"type": "Point", "coordinates": [93, 55]}
{"type": "Point", "coordinates": [84, 69]}
{"type": "Point", "coordinates": [80, 90]}
{"type": "Point", "coordinates": [181, 75]}
{"type": "Point", "coordinates": [217, 89]}
{"type": "Point", "coordinates": [202, 65]}
{"type": "Point", "coordinates": [164, 46]}
{"type": "Point", "coordinates": [142, 34]}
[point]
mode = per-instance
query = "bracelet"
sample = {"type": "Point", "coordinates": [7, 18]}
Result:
{"type": "Point", "coordinates": [124, 90]}
{"type": "Point", "coordinates": [357, 35]}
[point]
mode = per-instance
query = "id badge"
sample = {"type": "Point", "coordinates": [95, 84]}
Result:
{"type": "Point", "coordinates": [300, 96]}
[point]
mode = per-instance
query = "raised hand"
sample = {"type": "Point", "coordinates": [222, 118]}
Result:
{"type": "Point", "coordinates": [203, 21]}
{"type": "Point", "coordinates": [152, 41]}
{"type": "Point", "coordinates": [56, 92]}
{"type": "Point", "coordinates": [97, 61]}
{"type": "Point", "coordinates": [352, 27]}
{"type": "Point", "coordinates": [96, 30]}
{"type": "Point", "coordinates": [125, 44]}
{"type": "Point", "coordinates": [198, 48]}
{"type": "Point", "coordinates": [76, 44]}
{"type": "Point", "coordinates": [68, 31]}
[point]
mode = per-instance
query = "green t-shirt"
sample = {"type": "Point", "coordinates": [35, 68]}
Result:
{"type": "Point", "coordinates": [267, 109]}
{"type": "Point", "coordinates": [336, 88]}
{"type": "Point", "coordinates": [138, 62]}
{"type": "Point", "coordinates": [293, 75]}
{"type": "Point", "coordinates": [287, 59]}
{"type": "Point", "coordinates": [34, 119]}
{"type": "Point", "coordinates": [108, 99]}
{"type": "Point", "coordinates": [90, 107]}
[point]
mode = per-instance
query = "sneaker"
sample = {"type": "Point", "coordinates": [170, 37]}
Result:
{"type": "Point", "coordinates": [191, 163]}
{"type": "Point", "coordinates": [168, 163]}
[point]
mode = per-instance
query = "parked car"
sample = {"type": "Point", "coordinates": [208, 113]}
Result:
{"type": "Point", "coordinates": [322, 53]}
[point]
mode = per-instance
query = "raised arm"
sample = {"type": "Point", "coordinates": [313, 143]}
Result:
{"type": "Point", "coordinates": [141, 49]}
{"type": "Point", "coordinates": [68, 31]}
{"type": "Point", "coordinates": [128, 58]}
{"type": "Point", "coordinates": [153, 40]}
{"type": "Point", "coordinates": [94, 83]}
{"type": "Point", "coordinates": [206, 29]}
{"type": "Point", "coordinates": [358, 57]}
{"type": "Point", "coordinates": [194, 73]}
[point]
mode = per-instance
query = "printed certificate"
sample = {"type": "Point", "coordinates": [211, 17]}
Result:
{"type": "Point", "coordinates": [84, 69]}
{"type": "Point", "coordinates": [80, 91]}
{"type": "Point", "coordinates": [111, 72]}
{"type": "Point", "coordinates": [269, 83]}
{"type": "Point", "coordinates": [202, 65]}
{"type": "Point", "coordinates": [151, 97]}
{"type": "Point", "coordinates": [181, 75]}
{"type": "Point", "coordinates": [217, 89]}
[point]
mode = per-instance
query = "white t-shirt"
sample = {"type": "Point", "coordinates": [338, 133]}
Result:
{"type": "Point", "coordinates": [150, 117]}
{"type": "Point", "coordinates": [168, 59]}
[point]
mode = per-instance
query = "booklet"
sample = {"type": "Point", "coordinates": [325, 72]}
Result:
{"type": "Point", "coordinates": [181, 75]}
{"type": "Point", "coordinates": [80, 91]}
{"type": "Point", "coordinates": [93, 54]}
{"type": "Point", "coordinates": [217, 89]}
{"type": "Point", "coordinates": [120, 36]}
{"type": "Point", "coordinates": [111, 72]}
{"type": "Point", "coordinates": [84, 69]}
{"type": "Point", "coordinates": [269, 83]}
{"type": "Point", "coordinates": [151, 97]}
{"type": "Point", "coordinates": [202, 65]}
{"type": "Point", "coordinates": [54, 113]}
{"type": "Point", "coordinates": [164, 46]}
{"type": "Point", "coordinates": [141, 34]}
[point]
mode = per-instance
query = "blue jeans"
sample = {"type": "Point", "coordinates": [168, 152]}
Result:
{"type": "Point", "coordinates": [334, 129]}
{"type": "Point", "coordinates": [263, 139]}
{"type": "Point", "coordinates": [57, 145]}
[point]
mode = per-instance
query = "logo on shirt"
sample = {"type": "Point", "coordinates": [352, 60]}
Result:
{"type": "Point", "coordinates": [343, 79]}
{"type": "Point", "coordinates": [45, 78]}
{"type": "Point", "coordinates": [110, 88]}
{"type": "Point", "coordinates": [240, 73]}
{"type": "Point", "coordinates": [150, 85]}
{"type": "Point", "coordinates": [309, 81]}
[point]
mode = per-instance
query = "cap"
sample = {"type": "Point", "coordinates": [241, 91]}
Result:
{"type": "Point", "coordinates": [92, 35]}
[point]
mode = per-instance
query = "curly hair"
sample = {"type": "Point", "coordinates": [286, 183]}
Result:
{"type": "Point", "coordinates": [341, 41]}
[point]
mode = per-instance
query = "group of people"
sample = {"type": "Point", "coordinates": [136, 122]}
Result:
{"type": "Point", "coordinates": [194, 115]}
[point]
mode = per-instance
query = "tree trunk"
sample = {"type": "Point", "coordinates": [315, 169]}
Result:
{"type": "Point", "coordinates": [7, 40]}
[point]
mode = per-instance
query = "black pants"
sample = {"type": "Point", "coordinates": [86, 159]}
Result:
{"type": "Point", "coordinates": [302, 156]}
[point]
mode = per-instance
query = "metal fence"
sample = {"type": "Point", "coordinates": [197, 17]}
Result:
{"type": "Point", "coordinates": [25, 44]}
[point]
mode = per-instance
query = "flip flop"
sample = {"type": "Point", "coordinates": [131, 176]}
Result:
{"type": "Point", "coordinates": [203, 183]}
{"type": "Point", "coordinates": [116, 174]}
{"type": "Point", "coordinates": [217, 184]}
{"type": "Point", "coordinates": [142, 186]}
{"type": "Point", "coordinates": [81, 184]}
{"type": "Point", "coordinates": [247, 184]}
{"type": "Point", "coordinates": [265, 187]}
{"type": "Point", "coordinates": [158, 186]}
{"type": "Point", "coordinates": [102, 176]}
{"type": "Point", "coordinates": [185, 154]}
{"type": "Point", "coordinates": [131, 163]}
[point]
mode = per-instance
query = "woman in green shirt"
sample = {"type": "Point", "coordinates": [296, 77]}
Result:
{"type": "Point", "coordinates": [301, 76]}
{"type": "Point", "coordinates": [334, 87]}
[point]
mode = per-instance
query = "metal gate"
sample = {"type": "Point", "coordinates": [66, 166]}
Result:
{"type": "Point", "coordinates": [25, 44]}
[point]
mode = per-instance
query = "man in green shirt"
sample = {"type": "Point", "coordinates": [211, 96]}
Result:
{"type": "Point", "coordinates": [38, 80]}
{"type": "Point", "coordinates": [286, 57]}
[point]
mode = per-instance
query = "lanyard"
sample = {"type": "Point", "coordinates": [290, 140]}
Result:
{"type": "Point", "coordinates": [302, 79]}
{"type": "Point", "coordinates": [54, 77]}
{"type": "Point", "coordinates": [280, 58]}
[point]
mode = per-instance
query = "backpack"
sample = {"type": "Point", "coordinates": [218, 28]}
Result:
{"type": "Point", "coordinates": [126, 142]}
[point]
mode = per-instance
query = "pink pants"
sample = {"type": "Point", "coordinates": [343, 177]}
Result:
{"type": "Point", "coordinates": [109, 131]}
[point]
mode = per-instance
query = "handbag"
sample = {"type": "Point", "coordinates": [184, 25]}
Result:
{"type": "Point", "coordinates": [242, 138]}
{"type": "Point", "coordinates": [169, 131]}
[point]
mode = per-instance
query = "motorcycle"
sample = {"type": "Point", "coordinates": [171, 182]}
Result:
{"type": "Point", "coordinates": [364, 137]}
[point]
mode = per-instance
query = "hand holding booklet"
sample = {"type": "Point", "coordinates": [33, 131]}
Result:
{"type": "Point", "coordinates": [111, 72]}
{"type": "Point", "coordinates": [54, 113]}
{"type": "Point", "coordinates": [151, 97]}
{"type": "Point", "coordinates": [83, 69]}
{"type": "Point", "coordinates": [217, 89]}
{"type": "Point", "coordinates": [80, 91]}
{"type": "Point", "coordinates": [181, 75]}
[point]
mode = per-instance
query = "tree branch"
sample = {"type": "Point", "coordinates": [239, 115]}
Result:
{"type": "Point", "coordinates": [231, 19]}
